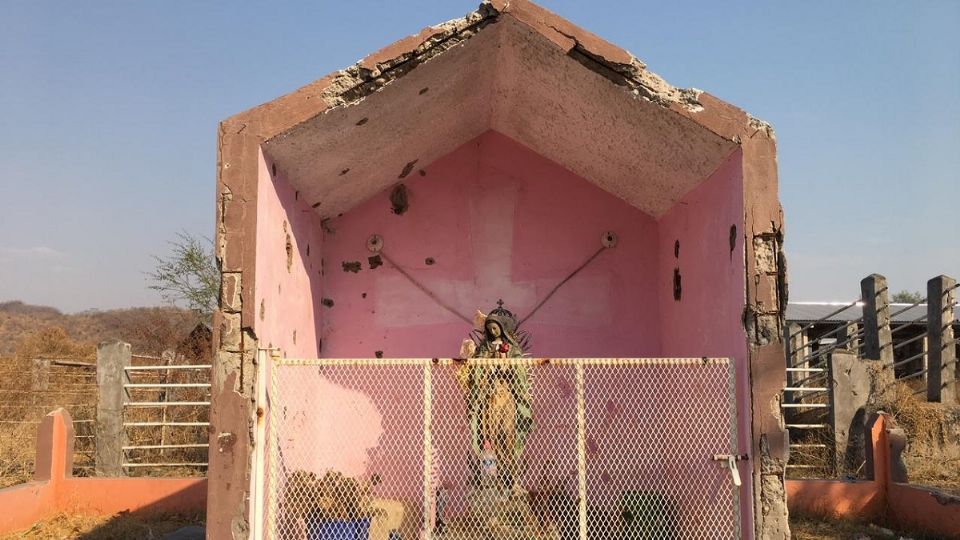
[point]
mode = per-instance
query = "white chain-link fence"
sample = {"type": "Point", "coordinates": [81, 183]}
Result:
{"type": "Point", "coordinates": [501, 449]}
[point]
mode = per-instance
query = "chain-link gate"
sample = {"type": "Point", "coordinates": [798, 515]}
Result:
{"type": "Point", "coordinates": [393, 449]}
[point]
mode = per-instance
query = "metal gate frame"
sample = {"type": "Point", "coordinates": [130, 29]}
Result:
{"type": "Point", "coordinates": [266, 477]}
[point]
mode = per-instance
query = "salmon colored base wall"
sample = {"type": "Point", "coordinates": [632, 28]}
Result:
{"type": "Point", "coordinates": [55, 491]}
{"type": "Point", "coordinates": [909, 507]}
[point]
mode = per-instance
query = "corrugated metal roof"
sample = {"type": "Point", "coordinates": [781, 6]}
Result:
{"type": "Point", "coordinates": [807, 312]}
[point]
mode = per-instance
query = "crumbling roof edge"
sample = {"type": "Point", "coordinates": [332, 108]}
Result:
{"type": "Point", "coordinates": [378, 69]}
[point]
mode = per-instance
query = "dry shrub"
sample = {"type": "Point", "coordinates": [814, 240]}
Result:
{"type": "Point", "coordinates": [923, 422]}
{"type": "Point", "coordinates": [932, 455]}
{"type": "Point", "coordinates": [51, 342]}
{"type": "Point", "coordinates": [16, 453]}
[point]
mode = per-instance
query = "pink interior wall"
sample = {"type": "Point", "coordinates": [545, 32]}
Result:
{"type": "Point", "coordinates": [708, 318]}
{"type": "Point", "coordinates": [500, 222]}
{"type": "Point", "coordinates": [287, 295]}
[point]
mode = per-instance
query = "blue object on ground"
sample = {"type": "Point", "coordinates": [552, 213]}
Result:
{"type": "Point", "coordinates": [324, 529]}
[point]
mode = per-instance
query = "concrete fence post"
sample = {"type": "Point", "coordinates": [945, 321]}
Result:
{"type": "Point", "coordinates": [849, 390]}
{"type": "Point", "coordinates": [877, 341]}
{"type": "Point", "coordinates": [848, 336]}
{"type": "Point", "coordinates": [942, 350]}
{"type": "Point", "coordinates": [112, 358]}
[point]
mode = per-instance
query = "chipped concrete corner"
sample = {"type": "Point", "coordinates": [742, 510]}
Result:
{"type": "Point", "coordinates": [764, 322]}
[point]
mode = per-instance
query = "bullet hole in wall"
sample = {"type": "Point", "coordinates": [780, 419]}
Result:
{"type": "Point", "coordinates": [407, 169]}
{"type": "Point", "coordinates": [363, 295]}
{"type": "Point", "coordinates": [733, 238]}
{"type": "Point", "coordinates": [345, 171]}
{"type": "Point", "coordinates": [429, 261]}
{"type": "Point", "coordinates": [289, 253]}
{"type": "Point", "coordinates": [424, 90]}
{"type": "Point", "coordinates": [378, 354]}
{"type": "Point", "coordinates": [314, 205]}
{"type": "Point", "coordinates": [677, 288]}
{"type": "Point", "coordinates": [676, 249]}
{"type": "Point", "coordinates": [375, 261]}
{"type": "Point", "coordinates": [422, 172]}
{"type": "Point", "coordinates": [399, 200]}
{"type": "Point", "coordinates": [351, 266]}
{"type": "Point", "coordinates": [308, 250]}
{"type": "Point", "coordinates": [327, 302]}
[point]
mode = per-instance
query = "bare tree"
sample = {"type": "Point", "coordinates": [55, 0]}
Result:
{"type": "Point", "coordinates": [188, 275]}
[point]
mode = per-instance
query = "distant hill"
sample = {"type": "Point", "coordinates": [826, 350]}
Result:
{"type": "Point", "coordinates": [149, 330]}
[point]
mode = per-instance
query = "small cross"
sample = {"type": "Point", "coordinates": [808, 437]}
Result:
{"type": "Point", "coordinates": [500, 304]}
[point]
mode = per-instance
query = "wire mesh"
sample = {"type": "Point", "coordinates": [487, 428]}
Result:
{"type": "Point", "coordinates": [501, 449]}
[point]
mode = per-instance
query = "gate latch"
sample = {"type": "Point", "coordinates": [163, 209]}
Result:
{"type": "Point", "coordinates": [730, 461]}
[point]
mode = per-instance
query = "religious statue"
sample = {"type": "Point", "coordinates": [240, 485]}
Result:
{"type": "Point", "coordinates": [498, 398]}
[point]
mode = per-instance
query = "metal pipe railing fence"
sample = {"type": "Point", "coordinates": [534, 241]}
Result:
{"type": "Point", "coordinates": [166, 403]}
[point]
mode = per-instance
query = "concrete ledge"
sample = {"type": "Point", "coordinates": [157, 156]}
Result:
{"type": "Point", "coordinates": [55, 491]}
{"type": "Point", "coordinates": [924, 509]}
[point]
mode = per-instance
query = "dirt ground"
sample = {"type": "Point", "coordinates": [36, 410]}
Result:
{"type": "Point", "coordinates": [124, 527]}
{"type": "Point", "coordinates": [818, 529]}
{"type": "Point", "coordinates": [119, 527]}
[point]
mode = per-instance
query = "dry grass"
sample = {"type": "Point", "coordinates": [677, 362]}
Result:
{"type": "Point", "coordinates": [120, 526]}
{"type": "Point", "coordinates": [16, 453]}
{"type": "Point", "coordinates": [28, 391]}
{"type": "Point", "coordinates": [814, 528]}
{"type": "Point", "coordinates": [932, 456]}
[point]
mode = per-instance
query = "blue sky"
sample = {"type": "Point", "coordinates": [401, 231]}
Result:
{"type": "Point", "coordinates": [109, 113]}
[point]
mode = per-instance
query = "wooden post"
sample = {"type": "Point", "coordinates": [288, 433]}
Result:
{"type": "Point", "coordinates": [877, 341]}
{"type": "Point", "coordinates": [40, 380]}
{"type": "Point", "coordinates": [942, 352]}
{"type": "Point", "coordinates": [112, 358]}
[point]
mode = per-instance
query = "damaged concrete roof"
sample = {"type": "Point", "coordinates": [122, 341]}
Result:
{"type": "Point", "coordinates": [512, 67]}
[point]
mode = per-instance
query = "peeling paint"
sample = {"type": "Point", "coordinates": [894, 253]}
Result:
{"type": "Point", "coordinates": [351, 266]}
